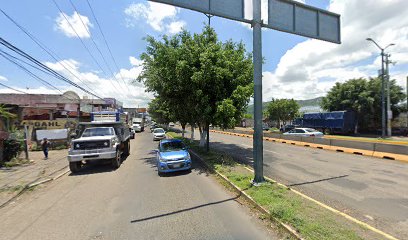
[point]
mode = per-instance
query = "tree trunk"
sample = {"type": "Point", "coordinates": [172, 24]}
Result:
{"type": "Point", "coordinates": [203, 135]}
{"type": "Point", "coordinates": [356, 126]}
{"type": "Point", "coordinates": [183, 127]}
{"type": "Point", "coordinates": [192, 132]}
{"type": "Point", "coordinates": [208, 138]}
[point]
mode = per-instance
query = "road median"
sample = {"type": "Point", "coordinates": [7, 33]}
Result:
{"type": "Point", "coordinates": [378, 150]}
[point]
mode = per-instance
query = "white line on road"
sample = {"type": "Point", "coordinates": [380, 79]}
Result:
{"type": "Point", "coordinates": [248, 146]}
{"type": "Point", "coordinates": [271, 151]}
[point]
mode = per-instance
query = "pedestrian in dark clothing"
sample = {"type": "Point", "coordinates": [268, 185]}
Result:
{"type": "Point", "coordinates": [44, 145]}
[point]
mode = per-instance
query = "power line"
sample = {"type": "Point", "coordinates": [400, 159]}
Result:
{"type": "Point", "coordinates": [4, 85]}
{"type": "Point", "coordinates": [38, 63]}
{"type": "Point", "coordinates": [104, 39]}
{"type": "Point", "coordinates": [33, 75]}
{"type": "Point", "coordinates": [83, 44]}
{"type": "Point", "coordinates": [96, 46]}
{"type": "Point", "coordinates": [29, 72]}
{"type": "Point", "coordinates": [43, 47]}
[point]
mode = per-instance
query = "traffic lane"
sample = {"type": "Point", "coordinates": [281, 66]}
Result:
{"type": "Point", "coordinates": [372, 189]}
{"type": "Point", "coordinates": [180, 205]}
{"type": "Point", "coordinates": [132, 202]}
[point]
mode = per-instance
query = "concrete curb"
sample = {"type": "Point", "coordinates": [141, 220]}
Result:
{"type": "Point", "coordinates": [288, 228]}
{"type": "Point", "coordinates": [382, 155]}
{"type": "Point", "coordinates": [31, 185]}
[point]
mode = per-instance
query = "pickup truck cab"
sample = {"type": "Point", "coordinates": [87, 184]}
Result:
{"type": "Point", "coordinates": [99, 141]}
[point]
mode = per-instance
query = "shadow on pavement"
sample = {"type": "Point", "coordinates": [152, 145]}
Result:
{"type": "Point", "coordinates": [316, 181]}
{"type": "Point", "coordinates": [95, 167]}
{"type": "Point", "coordinates": [186, 209]}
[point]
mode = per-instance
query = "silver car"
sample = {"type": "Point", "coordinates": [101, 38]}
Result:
{"type": "Point", "coordinates": [158, 134]}
{"type": "Point", "coordinates": [304, 132]}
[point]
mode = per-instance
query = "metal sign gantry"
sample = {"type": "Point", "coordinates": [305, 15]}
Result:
{"type": "Point", "coordinates": [283, 15]}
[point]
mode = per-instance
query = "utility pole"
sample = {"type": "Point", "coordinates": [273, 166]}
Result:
{"type": "Point", "coordinates": [26, 142]}
{"type": "Point", "coordinates": [407, 101]}
{"type": "Point", "coordinates": [383, 107]}
{"type": "Point", "coordinates": [383, 111]}
{"type": "Point", "coordinates": [257, 59]}
{"type": "Point", "coordinates": [389, 112]}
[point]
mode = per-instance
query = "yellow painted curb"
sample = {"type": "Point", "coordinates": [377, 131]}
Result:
{"type": "Point", "coordinates": [386, 235]}
{"type": "Point", "coordinates": [392, 156]}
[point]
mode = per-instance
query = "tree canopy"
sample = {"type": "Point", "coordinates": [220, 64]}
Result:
{"type": "Point", "coordinates": [200, 79]}
{"type": "Point", "coordinates": [282, 110]}
{"type": "Point", "coordinates": [364, 98]}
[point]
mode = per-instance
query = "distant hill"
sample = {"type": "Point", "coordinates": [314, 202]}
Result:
{"type": "Point", "coordinates": [304, 104]}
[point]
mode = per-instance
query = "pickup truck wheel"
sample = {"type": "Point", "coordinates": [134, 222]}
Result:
{"type": "Point", "coordinates": [74, 166]}
{"type": "Point", "coordinates": [116, 161]}
{"type": "Point", "coordinates": [126, 149]}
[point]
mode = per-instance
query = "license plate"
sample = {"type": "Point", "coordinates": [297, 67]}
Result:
{"type": "Point", "coordinates": [176, 165]}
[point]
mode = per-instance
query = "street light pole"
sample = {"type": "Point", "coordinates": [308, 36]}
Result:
{"type": "Point", "coordinates": [257, 59]}
{"type": "Point", "coordinates": [383, 122]}
{"type": "Point", "coordinates": [383, 107]}
{"type": "Point", "coordinates": [389, 113]}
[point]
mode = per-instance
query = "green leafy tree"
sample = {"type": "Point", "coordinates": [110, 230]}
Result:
{"type": "Point", "coordinates": [202, 80]}
{"type": "Point", "coordinates": [5, 112]}
{"type": "Point", "coordinates": [282, 110]}
{"type": "Point", "coordinates": [364, 98]}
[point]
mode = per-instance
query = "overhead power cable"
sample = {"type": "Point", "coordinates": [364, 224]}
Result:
{"type": "Point", "coordinates": [33, 75]}
{"type": "Point", "coordinates": [84, 45]}
{"type": "Point", "coordinates": [105, 41]}
{"type": "Point", "coordinates": [4, 85]}
{"type": "Point", "coordinates": [45, 48]}
{"type": "Point", "coordinates": [29, 72]}
{"type": "Point", "coordinates": [38, 63]}
{"type": "Point", "coordinates": [96, 46]}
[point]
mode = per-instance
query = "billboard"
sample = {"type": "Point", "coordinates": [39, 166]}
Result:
{"type": "Point", "coordinates": [300, 19]}
{"type": "Point", "coordinates": [231, 9]}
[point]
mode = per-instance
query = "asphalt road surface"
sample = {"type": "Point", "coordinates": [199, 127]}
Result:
{"type": "Point", "coordinates": [132, 202]}
{"type": "Point", "coordinates": [371, 189]}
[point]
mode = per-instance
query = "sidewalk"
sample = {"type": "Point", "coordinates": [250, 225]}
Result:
{"type": "Point", "coordinates": [15, 179]}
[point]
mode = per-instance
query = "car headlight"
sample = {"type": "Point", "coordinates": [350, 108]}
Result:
{"type": "Point", "coordinates": [77, 146]}
{"type": "Point", "coordinates": [106, 143]}
{"type": "Point", "coordinates": [162, 159]}
{"type": "Point", "coordinates": [187, 157]}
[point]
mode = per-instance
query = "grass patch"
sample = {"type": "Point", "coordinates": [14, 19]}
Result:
{"type": "Point", "coordinates": [16, 162]}
{"type": "Point", "coordinates": [11, 189]}
{"type": "Point", "coordinates": [310, 220]}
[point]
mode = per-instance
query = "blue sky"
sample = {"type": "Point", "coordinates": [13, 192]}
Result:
{"type": "Point", "coordinates": [295, 67]}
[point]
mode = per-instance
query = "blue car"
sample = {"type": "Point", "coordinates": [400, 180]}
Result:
{"type": "Point", "coordinates": [172, 156]}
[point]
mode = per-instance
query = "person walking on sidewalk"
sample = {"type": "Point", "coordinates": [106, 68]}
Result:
{"type": "Point", "coordinates": [44, 145]}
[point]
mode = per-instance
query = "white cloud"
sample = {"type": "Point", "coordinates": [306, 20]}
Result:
{"type": "Point", "coordinates": [135, 62]}
{"type": "Point", "coordinates": [161, 17]}
{"type": "Point", "coordinates": [312, 67]}
{"type": "Point", "coordinates": [3, 78]}
{"type": "Point", "coordinates": [82, 29]}
{"type": "Point", "coordinates": [130, 95]}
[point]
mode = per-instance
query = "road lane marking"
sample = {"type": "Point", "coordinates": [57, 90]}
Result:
{"type": "Point", "coordinates": [271, 151]}
{"type": "Point", "coordinates": [248, 146]}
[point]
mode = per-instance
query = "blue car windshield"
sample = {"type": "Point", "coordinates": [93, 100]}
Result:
{"type": "Point", "coordinates": [172, 146]}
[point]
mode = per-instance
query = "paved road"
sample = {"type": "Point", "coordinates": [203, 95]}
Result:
{"type": "Point", "coordinates": [132, 202]}
{"type": "Point", "coordinates": [371, 189]}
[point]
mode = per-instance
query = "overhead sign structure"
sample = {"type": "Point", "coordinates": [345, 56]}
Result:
{"type": "Point", "coordinates": [283, 15]}
{"type": "Point", "coordinates": [300, 19]}
{"type": "Point", "coordinates": [231, 9]}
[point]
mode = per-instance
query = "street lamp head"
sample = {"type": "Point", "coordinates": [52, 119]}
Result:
{"type": "Point", "coordinates": [369, 39]}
